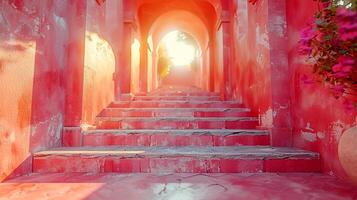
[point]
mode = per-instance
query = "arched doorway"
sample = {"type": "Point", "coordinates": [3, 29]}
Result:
{"type": "Point", "coordinates": [193, 32]}
{"type": "Point", "coordinates": [179, 60]}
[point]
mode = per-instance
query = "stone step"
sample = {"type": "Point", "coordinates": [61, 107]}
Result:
{"type": "Point", "coordinates": [175, 104]}
{"type": "Point", "coordinates": [174, 137]}
{"type": "Point", "coordinates": [175, 112]}
{"type": "Point", "coordinates": [180, 93]}
{"type": "Point", "coordinates": [175, 160]}
{"type": "Point", "coordinates": [177, 122]}
{"type": "Point", "coordinates": [175, 98]}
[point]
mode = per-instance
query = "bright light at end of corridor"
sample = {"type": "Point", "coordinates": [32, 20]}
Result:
{"type": "Point", "coordinates": [180, 53]}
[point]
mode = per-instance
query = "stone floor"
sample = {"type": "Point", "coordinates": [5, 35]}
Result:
{"type": "Point", "coordinates": [177, 187]}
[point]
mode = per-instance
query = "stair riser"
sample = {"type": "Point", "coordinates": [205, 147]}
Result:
{"type": "Point", "coordinates": [177, 98]}
{"type": "Point", "coordinates": [152, 104]}
{"type": "Point", "coordinates": [89, 164]}
{"type": "Point", "coordinates": [183, 94]}
{"type": "Point", "coordinates": [174, 140]}
{"type": "Point", "coordinates": [178, 113]}
{"type": "Point", "coordinates": [177, 124]}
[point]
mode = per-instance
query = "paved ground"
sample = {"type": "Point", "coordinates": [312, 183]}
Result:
{"type": "Point", "coordinates": [176, 187]}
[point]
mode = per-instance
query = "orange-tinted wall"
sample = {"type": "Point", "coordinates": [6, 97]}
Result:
{"type": "Point", "coordinates": [34, 40]}
{"type": "Point", "coordinates": [135, 66]}
{"type": "Point", "coordinates": [98, 85]}
{"type": "Point", "coordinates": [16, 82]}
{"type": "Point", "coordinates": [102, 42]}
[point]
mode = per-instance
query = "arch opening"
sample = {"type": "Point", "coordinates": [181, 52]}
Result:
{"type": "Point", "coordinates": [178, 59]}
{"type": "Point", "coordinates": [185, 39]}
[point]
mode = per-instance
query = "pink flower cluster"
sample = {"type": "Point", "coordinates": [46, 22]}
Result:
{"type": "Point", "coordinates": [330, 41]}
{"type": "Point", "coordinates": [344, 67]}
{"type": "Point", "coordinates": [346, 21]}
{"type": "Point", "coordinates": [306, 37]}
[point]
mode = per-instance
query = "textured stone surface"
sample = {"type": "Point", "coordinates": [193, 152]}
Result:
{"type": "Point", "coordinates": [239, 152]}
{"type": "Point", "coordinates": [203, 137]}
{"type": "Point", "coordinates": [188, 159]}
{"type": "Point", "coordinates": [177, 187]}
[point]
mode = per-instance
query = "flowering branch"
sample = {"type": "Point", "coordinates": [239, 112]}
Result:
{"type": "Point", "coordinates": [331, 43]}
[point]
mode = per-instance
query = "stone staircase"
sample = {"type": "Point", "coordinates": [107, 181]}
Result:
{"type": "Point", "coordinates": [176, 130]}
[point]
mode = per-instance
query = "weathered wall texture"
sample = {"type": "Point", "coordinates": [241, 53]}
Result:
{"type": "Point", "coordinates": [16, 81]}
{"type": "Point", "coordinates": [101, 46]}
{"type": "Point", "coordinates": [319, 120]}
{"type": "Point", "coordinates": [98, 86]}
{"type": "Point", "coordinates": [32, 56]}
{"type": "Point", "coordinates": [252, 82]}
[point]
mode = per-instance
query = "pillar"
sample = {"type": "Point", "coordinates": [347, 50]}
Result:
{"type": "Point", "coordinates": [280, 77]}
{"type": "Point", "coordinates": [227, 34]}
{"type": "Point", "coordinates": [122, 76]}
{"type": "Point", "coordinates": [74, 71]}
{"type": "Point", "coordinates": [143, 64]}
{"type": "Point", "coordinates": [212, 61]}
{"type": "Point", "coordinates": [124, 71]}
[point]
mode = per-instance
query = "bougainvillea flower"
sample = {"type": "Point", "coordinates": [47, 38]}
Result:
{"type": "Point", "coordinates": [307, 34]}
{"type": "Point", "coordinates": [343, 68]}
{"type": "Point", "coordinates": [306, 37]}
{"type": "Point", "coordinates": [346, 21]}
{"type": "Point", "coordinates": [346, 60]}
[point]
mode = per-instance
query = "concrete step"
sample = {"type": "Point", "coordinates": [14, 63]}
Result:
{"type": "Point", "coordinates": [150, 137]}
{"type": "Point", "coordinates": [177, 122]}
{"type": "Point", "coordinates": [180, 93]}
{"type": "Point", "coordinates": [175, 98]}
{"type": "Point", "coordinates": [176, 104]}
{"type": "Point", "coordinates": [175, 160]}
{"type": "Point", "coordinates": [175, 112]}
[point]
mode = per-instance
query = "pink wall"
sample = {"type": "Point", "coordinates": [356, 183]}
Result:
{"type": "Point", "coordinates": [99, 60]}
{"type": "Point", "coordinates": [98, 86]}
{"type": "Point", "coordinates": [252, 83]}
{"type": "Point", "coordinates": [42, 54]}
{"type": "Point", "coordinates": [319, 119]}
{"type": "Point", "coordinates": [34, 38]}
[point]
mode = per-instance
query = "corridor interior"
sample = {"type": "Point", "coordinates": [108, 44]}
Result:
{"type": "Point", "coordinates": [165, 99]}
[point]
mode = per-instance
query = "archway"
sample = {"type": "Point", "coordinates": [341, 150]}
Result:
{"type": "Point", "coordinates": [193, 27]}
{"type": "Point", "coordinates": [178, 60]}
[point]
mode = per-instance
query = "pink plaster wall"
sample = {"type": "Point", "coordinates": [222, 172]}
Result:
{"type": "Point", "coordinates": [99, 59]}
{"type": "Point", "coordinates": [319, 120]}
{"type": "Point", "coordinates": [33, 40]}
{"type": "Point", "coordinates": [251, 83]}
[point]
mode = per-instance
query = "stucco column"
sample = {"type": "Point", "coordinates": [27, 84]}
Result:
{"type": "Point", "coordinates": [154, 70]}
{"type": "Point", "coordinates": [280, 77]}
{"type": "Point", "coordinates": [76, 13]}
{"type": "Point", "coordinates": [123, 76]}
{"type": "Point", "coordinates": [74, 71]}
{"type": "Point", "coordinates": [225, 87]}
{"type": "Point", "coordinates": [212, 63]}
{"type": "Point", "coordinates": [143, 64]}
{"type": "Point", "coordinates": [204, 69]}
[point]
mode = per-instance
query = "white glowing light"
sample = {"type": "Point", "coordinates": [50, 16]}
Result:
{"type": "Point", "coordinates": [180, 53]}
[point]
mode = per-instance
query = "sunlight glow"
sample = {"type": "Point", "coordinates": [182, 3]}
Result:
{"type": "Point", "coordinates": [344, 3]}
{"type": "Point", "coordinates": [180, 53]}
